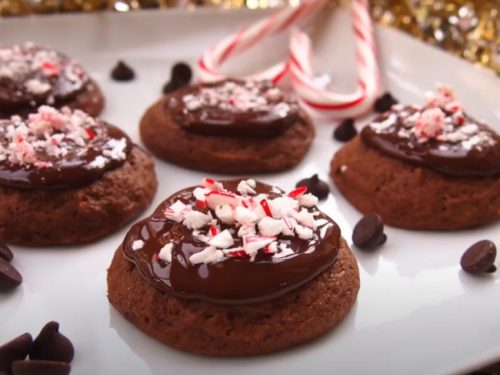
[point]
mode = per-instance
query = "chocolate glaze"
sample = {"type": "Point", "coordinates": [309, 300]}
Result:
{"type": "Point", "coordinates": [72, 171]}
{"type": "Point", "coordinates": [446, 157]}
{"type": "Point", "coordinates": [273, 118]}
{"type": "Point", "coordinates": [234, 281]}
{"type": "Point", "coordinates": [15, 97]}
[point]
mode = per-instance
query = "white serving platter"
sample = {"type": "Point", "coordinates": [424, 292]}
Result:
{"type": "Point", "coordinates": [417, 312]}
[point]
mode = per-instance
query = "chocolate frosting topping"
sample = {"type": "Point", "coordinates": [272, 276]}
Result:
{"type": "Point", "coordinates": [235, 108]}
{"type": "Point", "coordinates": [31, 75]}
{"type": "Point", "coordinates": [58, 149]}
{"type": "Point", "coordinates": [438, 136]}
{"type": "Point", "coordinates": [236, 265]}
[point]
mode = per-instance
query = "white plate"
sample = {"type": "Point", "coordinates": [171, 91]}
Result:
{"type": "Point", "coordinates": [417, 312]}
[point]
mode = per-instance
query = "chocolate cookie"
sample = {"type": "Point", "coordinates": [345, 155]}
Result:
{"type": "Point", "coordinates": [31, 76]}
{"type": "Point", "coordinates": [427, 168]}
{"type": "Point", "coordinates": [228, 127]}
{"type": "Point", "coordinates": [235, 269]}
{"type": "Point", "coordinates": [66, 178]}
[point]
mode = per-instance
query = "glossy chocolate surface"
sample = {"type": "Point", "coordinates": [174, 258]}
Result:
{"type": "Point", "coordinates": [470, 149]}
{"type": "Point", "coordinates": [235, 280]}
{"type": "Point", "coordinates": [234, 108]}
{"type": "Point", "coordinates": [81, 163]}
{"type": "Point", "coordinates": [31, 75]}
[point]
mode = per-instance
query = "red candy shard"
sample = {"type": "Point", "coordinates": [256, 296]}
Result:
{"type": "Point", "coordinates": [201, 204]}
{"type": "Point", "coordinates": [299, 191]}
{"type": "Point", "coordinates": [266, 208]}
{"type": "Point", "coordinates": [238, 254]}
{"type": "Point", "coordinates": [90, 133]}
{"type": "Point", "coordinates": [213, 230]}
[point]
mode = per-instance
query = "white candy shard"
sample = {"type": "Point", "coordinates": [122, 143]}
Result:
{"type": "Point", "coordinates": [174, 212]}
{"type": "Point", "coordinates": [270, 227]}
{"type": "Point", "coordinates": [137, 245]}
{"type": "Point", "coordinates": [225, 214]}
{"type": "Point", "coordinates": [215, 199]}
{"type": "Point", "coordinates": [165, 253]}
{"type": "Point", "coordinates": [244, 216]}
{"type": "Point", "coordinates": [196, 219]}
{"type": "Point", "coordinates": [308, 200]}
{"type": "Point", "coordinates": [246, 229]}
{"type": "Point", "coordinates": [252, 244]}
{"type": "Point", "coordinates": [208, 255]}
{"type": "Point", "coordinates": [222, 240]}
{"type": "Point", "coordinates": [246, 187]}
{"type": "Point", "coordinates": [303, 233]}
{"type": "Point", "coordinates": [305, 218]}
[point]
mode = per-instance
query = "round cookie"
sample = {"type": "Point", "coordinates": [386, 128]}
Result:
{"type": "Point", "coordinates": [198, 309]}
{"type": "Point", "coordinates": [31, 76]}
{"type": "Point", "coordinates": [92, 190]}
{"type": "Point", "coordinates": [430, 191]}
{"type": "Point", "coordinates": [244, 143]}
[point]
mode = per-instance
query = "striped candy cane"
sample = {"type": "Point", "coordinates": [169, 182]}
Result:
{"type": "Point", "coordinates": [247, 37]}
{"type": "Point", "coordinates": [322, 101]}
{"type": "Point", "coordinates": [299, 65]}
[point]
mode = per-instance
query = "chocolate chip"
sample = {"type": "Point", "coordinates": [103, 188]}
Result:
{"type": "Point", "coordinates": [181, 76]}
{"type": "Point", "coordinates": [479, 258]}
{"type": "Point", "coordinates": [369, 232]}
{"type": "Point", "coordinates": [40, 368]}
{"type": "Point", "coordinates": [385, 102]}
{"type": "Point", "coordinates": [14, 350]}
{"type": "Point", "coordinates": [9, 276]}
{"type": "Point", "coordinates": [345, 131]}
{"type": "Point", "coordinates": [122, 72]}
{"type": "Point", "coordinates": [52, 345]}
{"type": "Point", "coordinates": [5, 252]}
{"type": "Point", "coordinates": [315, 186]}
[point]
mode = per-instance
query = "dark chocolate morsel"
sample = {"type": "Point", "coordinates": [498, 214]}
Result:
{"type": "Point", "coordinates": [5, 252]}
{"type": "Point", "coordinates": [315, 186]}
{"type": "Point", "coordinates": [180, 77]}
{"type": "Point", "coordinates": [14, 350]}
{"type": "Point", "coordinates": [345, 131]}
{"type": "Point", "coordinates": [9, 276]}
{"type": "Point", "coordinates": [40, 368]}
{"type": "Point", "coordinates": [52, 345]}
{"type": "Point", "coordinates": [479, 257]}
{"type": "Point", "coordinates": [122, 72]}
{"type": "Point", "coordinates": [369, 232]}
{"type": "Point", "coordinates": [385, 102]}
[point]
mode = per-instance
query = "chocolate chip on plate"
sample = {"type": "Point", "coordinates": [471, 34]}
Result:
{"type": "Point", "coordinates": [122, 72]}
{"type": "Point", "coordinates": [5, 252]}
{"type": "Point", "coordinates": [40, 367]}
{"type": "Point", "coordinates": [345, 131]}
{"type": "Point", "coordinates": [369, 232]}
{"type": "Point", "coordinates": [52, 345]}
{"type": "Point", "coordinates": [479, 258]}
{"type": "Point", "coordinates": [384, 103]}
{"type": "Point", "coordinates": [315, 186]}
{"type": "Point", "coordinates": [14, 350]}
{"type": "Point", "coordinates": [181, 76]}
{"type": "Point", "coordinates": [9, 276]}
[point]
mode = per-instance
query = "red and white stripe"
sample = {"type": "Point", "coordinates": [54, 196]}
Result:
{"type": "Point", "coordinates": [332, 104]}
{"type": "Point", "coordinates": [299, 64]}
{"type": "Point", "coordinates": [215, 56]}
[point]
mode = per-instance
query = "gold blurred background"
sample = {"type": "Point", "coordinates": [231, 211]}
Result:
{"type": "Point", "coordinates": [468, 28]}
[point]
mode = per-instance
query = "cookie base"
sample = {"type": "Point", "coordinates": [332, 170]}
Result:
{"type": "Point", "coordinates": [409, 196]}
{"type": "Point", "coordinates": [224, 154]}
{"type": "Point", "coordinates": [78, 215]}
{"type": "Point", "coordinates": [204, 328]}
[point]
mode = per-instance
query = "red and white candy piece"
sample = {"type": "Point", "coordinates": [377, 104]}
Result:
{"type": "Point", "coordinates": [320, 101]}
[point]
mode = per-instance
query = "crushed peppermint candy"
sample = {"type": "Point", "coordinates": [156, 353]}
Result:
{"type": "Point", "coordinates": [235, 97]}
{"type": "Point", "coordinates": [441, 119]}
{"type": "Point", "coordinates": [236, 224]}
{"type": "Point", "coordinates": [34, 71]}
{"type": "Point", "coordinates": [51, 136]}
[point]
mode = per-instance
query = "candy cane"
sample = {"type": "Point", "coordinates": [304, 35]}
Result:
{"type": "Point", "coordinates": [328, 103]}
{"type": "Point", "coordinates": [247, 37]}
{"type": "Point", "coordinates": [299, 65]}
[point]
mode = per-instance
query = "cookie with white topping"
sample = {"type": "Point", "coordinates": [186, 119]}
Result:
{"type": "Point", "coordinates": [424, 167]}
{"type": "Point", "coordinates": [32, 75]}
{"type": "Point", "coordinates": [68, 178]}
{"type": "Point", "coordinates": [239, 256]}
{"type": "Point", "coordinates": [231, 126]}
